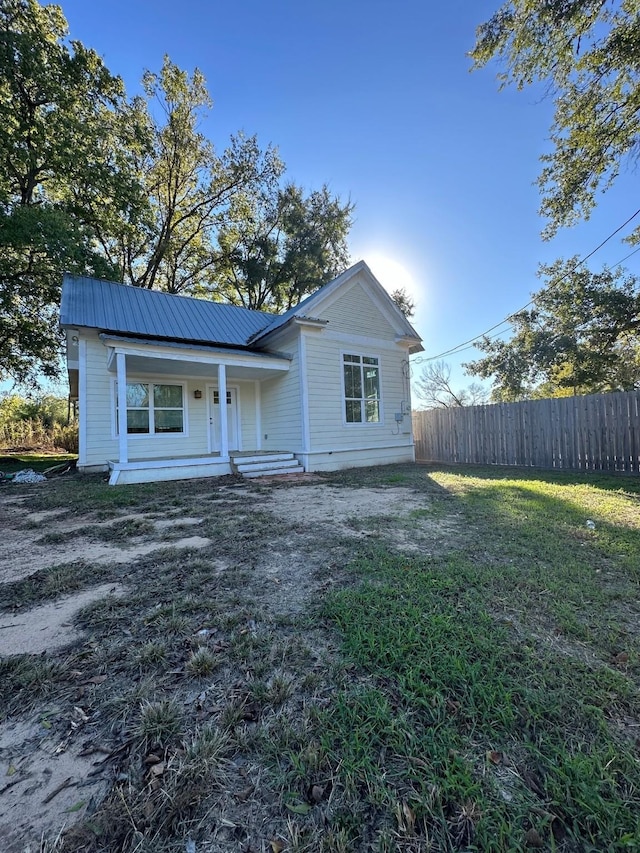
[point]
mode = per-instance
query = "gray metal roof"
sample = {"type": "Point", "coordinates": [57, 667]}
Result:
{"type": "Point", "coordinates": [122, 308]}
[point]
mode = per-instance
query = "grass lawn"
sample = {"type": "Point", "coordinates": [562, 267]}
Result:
{"type": "Point", "coordinates": [475, 690]}
{"type": "Point", "coordinates": [12, 462]}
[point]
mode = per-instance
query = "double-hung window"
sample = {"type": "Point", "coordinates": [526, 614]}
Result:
{"type": "Point", "coordinates": [361, 389]}
{"type": "Point", "coordinates": [153, 408]}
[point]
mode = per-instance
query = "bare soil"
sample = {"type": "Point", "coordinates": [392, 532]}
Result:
{"type": "Point", "coordinates": [268, 550]}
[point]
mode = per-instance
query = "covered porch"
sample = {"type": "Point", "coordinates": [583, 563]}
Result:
{"type": "Point", "coordinates": [174, 394]}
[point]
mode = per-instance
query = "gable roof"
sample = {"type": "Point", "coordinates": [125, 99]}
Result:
{"type": "Point", "coordinates": [127, 310]}
{"type": "Point", "coordinates": [309, 307]}
{"type": "Point", "coordinates": [122, 308]}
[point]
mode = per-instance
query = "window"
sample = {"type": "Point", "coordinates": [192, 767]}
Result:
{"type": "Point", "coordinates": [153, 409]}
{"type": "Point", "coordinates": [361, 389]}
{"type": "Point", "coordinates": [216, 398]}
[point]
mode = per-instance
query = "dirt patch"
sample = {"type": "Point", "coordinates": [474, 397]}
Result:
{"type": "Point", "coordinates": [185, 521]}
{"type": "Point", "coordinates": [45, 784]}
{"type": "Point", "coordinates": [400, 515]}
{"type": "Point", "coordinates": [49, 627]}
{"type": "Point", "coordinates": [25, 539]}
{"type": "Point", "coordinates": [333, 506]}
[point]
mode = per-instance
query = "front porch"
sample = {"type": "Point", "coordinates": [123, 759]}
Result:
{"type": "Point", "coordinates": [250, 464]}
{"type": "Point", "coordinates": [174, 399]}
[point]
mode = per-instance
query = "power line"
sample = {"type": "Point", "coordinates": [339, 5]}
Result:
{"type": "Point", "coordinates": [466, 344]}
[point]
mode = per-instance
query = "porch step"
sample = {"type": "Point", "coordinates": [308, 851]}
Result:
{"type": "Point", "coordinates": [267, 465]}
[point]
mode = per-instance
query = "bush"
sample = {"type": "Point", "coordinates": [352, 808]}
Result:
{"type": "Point", "coordinates": [36, 424]}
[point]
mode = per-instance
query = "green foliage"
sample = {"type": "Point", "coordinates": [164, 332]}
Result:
{"type": "Point", "coordinates": [36, 422]}
{"type": "Point", "coordinates": [404, 302]}
{"type": "Point", "coordinates": [47, 408]}
{"type": "Point", "coordinates": [94, 184]}
{"type": "Point", "coordinates": [484, 693]}
{"type": "Point", "coordinates": [580, 336]}
{"type": "Point", "coordinates": [277, 245]}
{"type": "Point", "coordinates": [59, 148]}
{"type": "Point", "coordinates": [586, 51]}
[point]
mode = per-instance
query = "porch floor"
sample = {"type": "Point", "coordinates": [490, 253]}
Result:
{"type": "Point", "coordinates": [204, 456]}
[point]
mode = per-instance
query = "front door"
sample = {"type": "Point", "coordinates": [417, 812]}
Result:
{"type": "Point", "coordinates": [232, 419]}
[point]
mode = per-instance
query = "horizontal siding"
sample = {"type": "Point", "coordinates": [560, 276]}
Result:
{"type": "Point", "coordinates": [327, 427]}
{"type": "Point", "coordinates": [339, 461]}
{"type": "Point", "coordinates": [102, 447]}
{"type": "Point", "coordinates": [355, 314]}
{"type": "Point", "coordinates": [281, 406]}
{"type": "Point", "coordinates": [247, 406]}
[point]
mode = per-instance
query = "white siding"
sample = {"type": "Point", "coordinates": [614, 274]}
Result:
{"type": "Point", "coordinates": [281, 412]}
{"type": "Point", "coordinates": [328, 430]}
{"type": "Point", "coordinates": [247, 414]}
{"type": "Point", "coordinates": [101, 443]}
{"type": "Point", "coordinates": [338, 460]}
{"type": "Point", "coordinates": [356, 314]}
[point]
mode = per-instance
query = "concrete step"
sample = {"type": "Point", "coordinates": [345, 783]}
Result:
{"type": "Point", "coordinates": [265, 465]}
{"type": "Point", "coordinates": [273, 472]}
{"type": "Point", "coordinates": [261, 457]}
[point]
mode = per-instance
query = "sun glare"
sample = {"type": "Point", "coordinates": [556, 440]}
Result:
{"type": "Point", "coordinates": [391, 274]}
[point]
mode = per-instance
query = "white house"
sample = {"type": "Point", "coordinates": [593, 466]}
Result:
{"type": "Point", "coordinates": [323, 387]}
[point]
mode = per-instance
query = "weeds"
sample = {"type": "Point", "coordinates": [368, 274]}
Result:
{"type": "Point", "coordinates": [481, 698]}
{"type": "Point", "coordinates": [160, 723]}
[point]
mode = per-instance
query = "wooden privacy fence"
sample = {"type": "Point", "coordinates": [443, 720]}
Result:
{"type": "Point", "coordinates": [599, 432]}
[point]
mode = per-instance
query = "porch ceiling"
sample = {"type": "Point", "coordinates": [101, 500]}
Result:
{"type": "Point", "coordinates": [199, 362]}
{"type": "Point", "coordinates": [197, 370]}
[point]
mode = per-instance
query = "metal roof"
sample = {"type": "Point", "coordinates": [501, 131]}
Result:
{"type": "Point", "coordinates": [125, 309]}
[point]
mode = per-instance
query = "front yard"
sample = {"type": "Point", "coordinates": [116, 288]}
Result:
{"type": "Point", "coordinates": [393, 659]}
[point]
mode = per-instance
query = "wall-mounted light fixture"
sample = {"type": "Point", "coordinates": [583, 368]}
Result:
{"type": "Point", "coordinates": [197, 394]}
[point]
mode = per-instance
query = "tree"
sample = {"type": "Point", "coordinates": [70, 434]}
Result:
{"type": "Point", "coordinates": [189, 188]}
{"type": "Point", "coordinates": [278, 245]}
{"type": "Point", "coordinates": [580, 336]}
{"type": "Point", "coordinates": [220, 225]}
{"type": "Point", "coordinates": [94, 184]}
{"type": "Point", "coordinates": [586, 51]}
{"type": "Point", "coordinates": [404, 302]}
{"type": "Point", "coordinates": [435, 390]}
{"type": "Point", "coordinates": [58, 129]}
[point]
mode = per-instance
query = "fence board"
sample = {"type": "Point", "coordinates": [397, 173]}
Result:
{"type": "Point", "coordinates": [598, 432]}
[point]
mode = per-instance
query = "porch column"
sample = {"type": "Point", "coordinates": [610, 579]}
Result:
{"type": "Point", "coordinates": [121, 373]}
{"type": "Point", "coordinates": [258, 398]}
{"type": "Point", "coordinates": [222, 396]}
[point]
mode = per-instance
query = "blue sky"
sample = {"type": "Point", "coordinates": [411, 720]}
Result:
{"type": "Point", "coordinates": [377, 100]}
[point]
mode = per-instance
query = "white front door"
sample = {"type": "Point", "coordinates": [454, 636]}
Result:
{"type": "Point", "coordinates": [232, 419]}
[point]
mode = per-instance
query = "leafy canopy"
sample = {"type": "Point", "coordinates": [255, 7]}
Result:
{"type": "Point", "coordinates": [580, 336]}
{"type": "Point", "coordinates": [60, 135]}
{"type": "Point", "coordinates": [92, 183]}
{"type": "Point", "coordinates": [586, 51]}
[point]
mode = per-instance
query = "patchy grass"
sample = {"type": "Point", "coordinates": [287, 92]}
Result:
{"type": "Point", "coordinates": [484, 697]}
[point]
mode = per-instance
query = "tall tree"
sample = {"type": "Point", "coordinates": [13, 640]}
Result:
{"type": "Point", "coordinates": [57, 131]}
{"type": "Point", "coordinates": [435, 390]}
{"type": "Point", "coordinates": [188, 185]}
{"type": "Point", "coordinates": [580, 336]}
{"type": "Point", "coordinates": [277, 245]}
{"type": "Point", "coordinates": [91, 183]}
{"type": "Point", "coordinates": [586, 51]}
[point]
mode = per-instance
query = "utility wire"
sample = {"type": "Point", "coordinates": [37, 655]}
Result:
{"type": "Point", "coordinates": [469, 344]}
